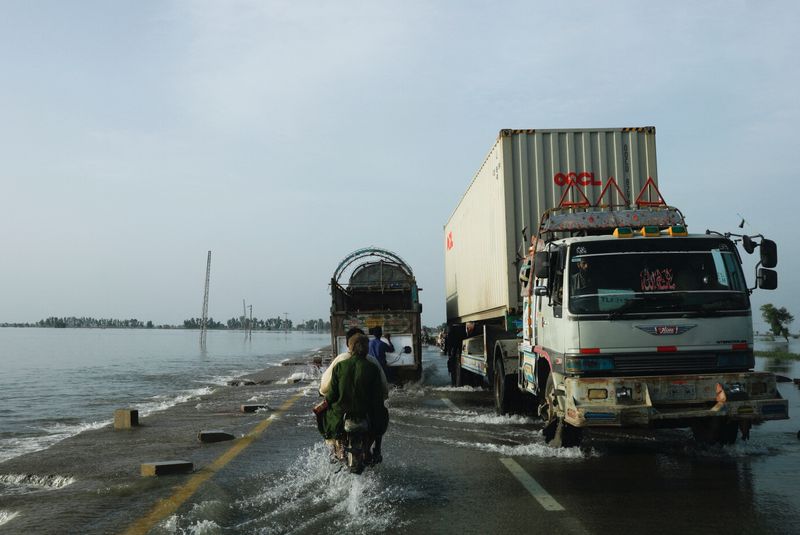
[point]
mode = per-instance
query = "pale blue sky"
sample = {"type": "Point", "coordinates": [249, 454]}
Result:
{"type": "Point", "coordinates": [283, 135]}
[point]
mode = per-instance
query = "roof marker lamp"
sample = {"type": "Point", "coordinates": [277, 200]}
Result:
{"type": "Point", "coordinates": [623, 232]}
{"type": "Point", "coordinates": [678, 230]}
{"type": "Point", "coordinates": [650, 231]}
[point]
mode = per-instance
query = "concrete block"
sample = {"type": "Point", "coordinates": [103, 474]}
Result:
{"type": "Point", "coordinates": [254, 408]}
{"type": "Point", "coordinates": [241, 382]}
{"type": "Point", "coordinates": [166, 467]}
{"type": "Point", "coordinates": [214, 435]}
{"type": "Point", "coordinates": [126, 418]}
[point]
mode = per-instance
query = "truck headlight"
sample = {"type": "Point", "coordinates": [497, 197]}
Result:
{"type": "Point", "coordinates": [624, 393]}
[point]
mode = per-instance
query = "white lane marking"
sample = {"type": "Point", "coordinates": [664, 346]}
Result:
{"type": "Point", "coordinates": [450, 404]}
{"type": "Point", "coordinates": [548, 502]}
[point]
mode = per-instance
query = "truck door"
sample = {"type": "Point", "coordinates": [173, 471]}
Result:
{"type": "Point", "coordinates": [549, 308]}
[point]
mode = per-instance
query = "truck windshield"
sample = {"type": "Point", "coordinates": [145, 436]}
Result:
{"type": "Point", "coordinates": [658, 275]}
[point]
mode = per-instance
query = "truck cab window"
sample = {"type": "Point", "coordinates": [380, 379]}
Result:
{"type": "Point", "coordinates": [557, 279]}
{"type": "Point", "coordinates": [696, 275]}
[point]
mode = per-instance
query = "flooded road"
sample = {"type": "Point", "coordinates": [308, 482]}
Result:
{"type": "Point", "coordinates": [453, 466]}
{"type": "Point", "coordinates": [450, 466]}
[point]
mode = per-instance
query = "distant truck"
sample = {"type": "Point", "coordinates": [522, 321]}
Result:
{"type": "Point", "coordinates": [577, 293]}
{"type": "Point", "coordinates": [374, 287]}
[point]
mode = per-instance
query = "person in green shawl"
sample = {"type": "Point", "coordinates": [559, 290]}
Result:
{"type": "Point", "coordinates": [356, 390]}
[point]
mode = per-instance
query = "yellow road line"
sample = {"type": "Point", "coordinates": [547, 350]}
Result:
{"type": "Point", "coordinates": [169, 505]}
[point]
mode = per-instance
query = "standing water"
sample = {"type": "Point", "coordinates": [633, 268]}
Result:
{"type": "Point", "coordinates": [55, 383]}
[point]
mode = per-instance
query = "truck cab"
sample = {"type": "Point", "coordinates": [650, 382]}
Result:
{"type": "Point", "coordinates": [643, 326]}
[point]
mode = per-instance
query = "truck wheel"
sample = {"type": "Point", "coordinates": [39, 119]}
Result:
{"type": "Point", "coordinates": [460, 374]}
{"type": "Point", "coordinates": [728, 432]}
{"type": "Point", "coordinates": [504, 389]}
{"type": "Point", "coordinates": [557, 433]}
{"type": "Point", "coordinates": [715, 431]}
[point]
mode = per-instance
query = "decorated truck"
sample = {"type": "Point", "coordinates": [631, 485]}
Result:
{"type": "Point", "coordinates": [578, 293]}
{"type": "Point", "coordinates": [371, 288]}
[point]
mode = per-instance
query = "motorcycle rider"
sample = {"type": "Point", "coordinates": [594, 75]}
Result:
{"type": "Point", "coordinates": [356, 389]}
{"type": "Point", "coordinates": [325, 381]}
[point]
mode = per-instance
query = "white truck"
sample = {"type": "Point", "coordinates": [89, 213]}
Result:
{"type": "Point", "coordinates": [577, 293]}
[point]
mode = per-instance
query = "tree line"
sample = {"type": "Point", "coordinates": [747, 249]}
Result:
{"type": "Point", "coordinates": [269, 324]}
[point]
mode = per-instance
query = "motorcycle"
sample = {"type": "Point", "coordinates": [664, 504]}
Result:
{"type": "Point", "coordinates": [352, 449]}
{"type": "Point", "coordinates": [356, 444]}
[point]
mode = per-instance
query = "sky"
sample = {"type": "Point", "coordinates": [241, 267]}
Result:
{"type": "Point", "coordinates": [282, 135]}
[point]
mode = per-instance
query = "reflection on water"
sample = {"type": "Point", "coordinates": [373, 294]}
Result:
{"type": "Point", "coordinates": [782, 366]}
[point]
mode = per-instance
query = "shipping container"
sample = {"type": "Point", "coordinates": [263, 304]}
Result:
{"type": "Point", "coordinates": [526, 173]}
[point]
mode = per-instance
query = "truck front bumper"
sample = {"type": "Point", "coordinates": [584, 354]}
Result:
{"type": "Point", "coordinates": [671, 401]}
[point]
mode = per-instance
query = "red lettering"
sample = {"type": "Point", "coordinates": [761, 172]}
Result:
{"type": "Point", "coordinates": [449, 240]}
{"type": "Point", "coordinates": [657, 280]}
{"type": "Point", "coordinates": [584, 178]}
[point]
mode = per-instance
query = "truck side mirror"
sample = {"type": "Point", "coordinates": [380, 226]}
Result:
{"type": "Point", "coordinates": [769, 253]}
{"type": "Point", "coordinates": [748, 244]}
{"type": "Point", "coordinates": [767, 279]}
{"type": "Point", "coordinates": [541, 263]}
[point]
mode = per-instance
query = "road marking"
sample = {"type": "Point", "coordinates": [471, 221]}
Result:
{"type": "Point", "coordinates": [450, 404]}
{"type": "Point", "coordinates": [537, 491]}
{"type": "Point", "coordinates": [169, 505]}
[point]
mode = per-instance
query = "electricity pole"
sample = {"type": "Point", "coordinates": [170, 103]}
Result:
{"type": "Point", "coordinates": [204, 320]}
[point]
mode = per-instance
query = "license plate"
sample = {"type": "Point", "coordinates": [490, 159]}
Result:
{"type": "Point", "coordinates": [681, 392]}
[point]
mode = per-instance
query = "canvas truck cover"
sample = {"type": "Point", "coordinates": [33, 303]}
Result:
{"type": "Point", "coordinates": [526, 173]}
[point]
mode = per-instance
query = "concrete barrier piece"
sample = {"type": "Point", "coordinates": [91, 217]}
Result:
{"type": "Point", "coordinates": [254, 408]}
{"type": "Point", "coordinates": [214, 435]}
{"type": "Point", "coordinates": [126, 418]}
{"type": "Point", "coordinates": [161, 468]}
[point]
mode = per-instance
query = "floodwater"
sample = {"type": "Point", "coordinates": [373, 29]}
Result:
{"type": "Point", "coordinates": [443, 472]}
{"type": "Point", "coordinates": [55, 383]}
{"type": "Point", "coordinates": [442, 475]}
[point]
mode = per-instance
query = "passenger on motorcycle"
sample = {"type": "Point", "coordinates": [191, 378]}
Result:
{"type": "Point", "coordinates": [325, 381]}
{"type": "Point", "coordinates": [356, 390]}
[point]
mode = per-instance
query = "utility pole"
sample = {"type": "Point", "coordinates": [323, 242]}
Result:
{"type": "Point", "coordinates": [244, 318]}
{"type": "Point", "coordinates": [204, 320]}
{"type": "Point", "coordinates": [285, 322]}
{"type": "Point", "coordinates": [251, 321]}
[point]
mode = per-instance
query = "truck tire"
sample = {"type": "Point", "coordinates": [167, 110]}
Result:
{"type": "Point", "coordinates": [505, 400]}
{"type": "Point", "coordinates": [460, 374]}
{"type": "Point", "coordinates": [715, 431]}
{"type": "Point", "coordinates": [557, 433]}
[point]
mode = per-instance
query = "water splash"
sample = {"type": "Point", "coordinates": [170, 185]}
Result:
{"type": "Point", "coordinates": [36, 481]}
{"type": "Point", "coordinates": [531, 449]}
{"type": "Point", "coordinates": [7, 516]}
{"type": "Point", "coordinates": [466, 416]}
{"type": "Point", "coordinates": [311, 496]}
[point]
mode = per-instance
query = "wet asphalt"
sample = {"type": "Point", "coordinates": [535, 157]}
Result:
{"type": "Point", "coordinates": [450, 466]}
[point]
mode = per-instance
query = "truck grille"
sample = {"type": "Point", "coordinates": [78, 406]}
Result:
{"type": "Point", "coordinates": [665, 363]}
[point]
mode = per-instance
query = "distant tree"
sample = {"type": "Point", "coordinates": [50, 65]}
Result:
{"type": "Point", "coordinates": [149, 324]}
{"type": "Point", "coordinates": [778, 319]}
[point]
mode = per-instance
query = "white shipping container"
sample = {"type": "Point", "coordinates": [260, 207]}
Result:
{"type": "Point", "coordinates": [526, 173]}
